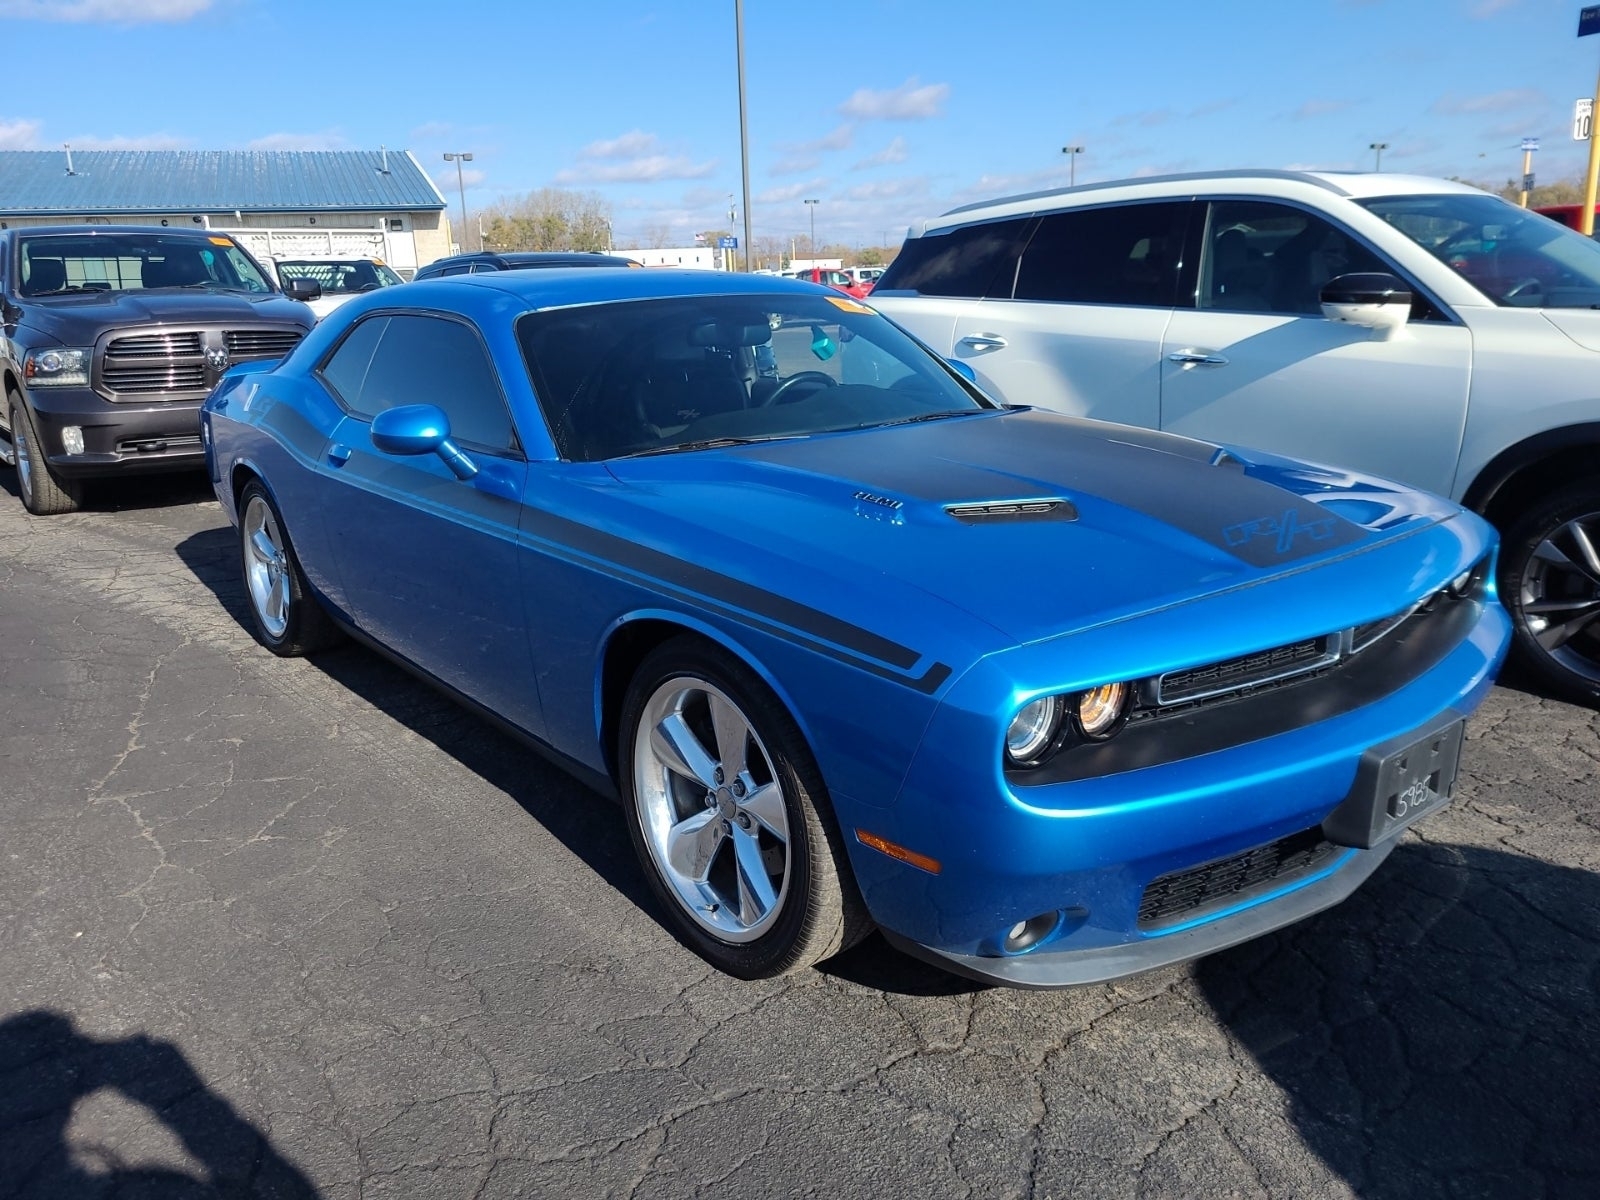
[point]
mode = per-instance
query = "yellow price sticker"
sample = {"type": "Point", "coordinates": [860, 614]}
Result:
{"type": "Point", "coordinates": [216, 241]}
{"type": "Point", "coordinates": [849, 305]}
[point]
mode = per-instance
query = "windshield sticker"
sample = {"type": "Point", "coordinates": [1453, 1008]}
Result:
{"type": "Point", "coordinates": [216, 241]}
{"type": "Point", "coordinates": [851, 306]}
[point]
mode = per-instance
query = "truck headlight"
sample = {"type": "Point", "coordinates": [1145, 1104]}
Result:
{"type": "Point", "coordinates": [57, 368]}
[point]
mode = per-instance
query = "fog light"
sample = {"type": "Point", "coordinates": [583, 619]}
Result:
{"type": "Point", "coordinates": [1461, 585]}
{"type": "Point", "coordinates": [1101, 710]}
{"type": "Point", "coordinates": [72, 439]}
{"type": "Point", "coordinates": [1025, 935]}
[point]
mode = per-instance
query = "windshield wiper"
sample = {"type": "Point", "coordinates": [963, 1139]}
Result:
{"type": "Point", "coordinates": [929, 416]}
{"type": "Point", "coordinates": [62, 291]}
{"type": "Point", "coordinates": [716, 443]}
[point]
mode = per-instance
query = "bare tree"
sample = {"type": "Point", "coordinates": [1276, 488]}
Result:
{"type": "Point", "coordinates": [548, 219]}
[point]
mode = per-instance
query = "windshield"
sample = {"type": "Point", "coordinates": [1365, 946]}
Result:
{"type": "Point", "coordinates": [1516, 258]}
{"type": "Point", "coordinates": [339, 278]}
{"type": "Point", "coordinates": [653, 376]}
{"type": "Point", "coordinates": [58, 264]}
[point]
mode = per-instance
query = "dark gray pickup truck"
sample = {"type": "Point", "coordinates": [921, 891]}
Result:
{"type": "Point", "coordinates": [111, 336]}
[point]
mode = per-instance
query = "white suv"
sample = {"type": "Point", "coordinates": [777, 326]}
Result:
{"type": "Point", "coordinates": [1395, 325]}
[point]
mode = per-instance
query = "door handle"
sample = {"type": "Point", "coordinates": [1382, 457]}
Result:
{"type": "Point", "coordinates": [984, 341]}
{"type": "Point", "coordinates": [338, 454]}
{"type": "Point", "coordinates": [1197, 358]}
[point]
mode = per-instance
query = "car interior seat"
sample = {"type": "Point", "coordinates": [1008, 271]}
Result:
{"type": "Point", "coordinates": [1239, 281]}
{"type": "Point", "coordinates": [177, 269]}
{"type": "Point", "coordinates": [45, 275]}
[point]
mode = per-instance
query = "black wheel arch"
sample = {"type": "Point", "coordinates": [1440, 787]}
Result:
{"type": "Point", "coordinates": [1520, 474]}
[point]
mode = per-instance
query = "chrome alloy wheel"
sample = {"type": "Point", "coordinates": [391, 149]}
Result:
{"type": "Point", "coordinates": [1561, 596]}
{"type": "Point", "coordinates": [266, 567]}
{"type": "Point", "coordinates": [712, 809]}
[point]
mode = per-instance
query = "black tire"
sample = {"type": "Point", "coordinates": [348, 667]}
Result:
{"type": "Point", "coordinates": [817, 910]}
{"type": "Point", "coordinates": [1549, 580]}
{"type": "Point", "coordinates": [284, 615]}
{"type": "Point", "coordinates": [43, 492]}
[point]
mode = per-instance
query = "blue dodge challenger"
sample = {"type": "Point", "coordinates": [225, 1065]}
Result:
{"type": "Point", "coordinates": [1046, 701]}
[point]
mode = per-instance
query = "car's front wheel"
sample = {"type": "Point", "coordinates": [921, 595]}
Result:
{"type": "Point", "coordinates": [1550, 583]}
{"type": "Point", "coordinates": [285, 615]}
{"type": "Point", "coordinates": [730, 818]}
{"type": "Point", "coordinates": [42, 491]}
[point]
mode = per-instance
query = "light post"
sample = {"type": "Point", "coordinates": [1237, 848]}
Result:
{"type": "Point", "coordinates": [1377, 149]}
{"type": "Point", "coordinates": [811, 207]}
{"type": "Point", "coordinates": [461, 187]}
{"type": "Point", "coordinates": [1529, 145]}
{"type": "Point", "coordinates": [1072, 153]}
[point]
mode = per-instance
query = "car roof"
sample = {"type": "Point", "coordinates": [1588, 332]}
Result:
{"type": "Point", "coordinates": [559, 287]}
{"type": "Point", "coordinates": [196, 232]}
{"type": "Point", "coordinates": [1355, 185]}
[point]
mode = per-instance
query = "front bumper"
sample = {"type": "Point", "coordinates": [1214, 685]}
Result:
{"type": "Point", "coordinates": [146, 435]}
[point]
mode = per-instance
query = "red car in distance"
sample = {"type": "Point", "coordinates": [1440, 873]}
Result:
{"type": "Point", "coordinates": [834, 278]}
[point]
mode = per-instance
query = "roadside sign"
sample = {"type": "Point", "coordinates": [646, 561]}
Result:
{"type": "Point", "coordinates": [1582, 119]}
{"type": "Point", "coordinates": [1527, 182]}
{"type": "Point", "coordinates": [1589, 20]}
{"type": "Point", "coordinates": [727, 243]}
{"type": "Point", "coordinates": [1529, 145]}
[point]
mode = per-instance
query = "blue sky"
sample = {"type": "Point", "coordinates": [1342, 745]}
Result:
{"type": "Point", "coordinates": [883, 110]}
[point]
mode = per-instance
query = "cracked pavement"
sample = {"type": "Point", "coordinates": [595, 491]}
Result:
{"type": "Point", "coordinates": [290, 928]}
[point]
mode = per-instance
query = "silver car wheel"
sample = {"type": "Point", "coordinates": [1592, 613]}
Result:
{"type": "Point", "coordinates": [1561, 596]}
{"type": "Point", "coordinates": [712, 810]}
{"type": "Point", "coordinates": [266, 567]}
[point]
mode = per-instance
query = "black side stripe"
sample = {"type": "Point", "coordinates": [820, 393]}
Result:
{"type": "Point", "coordinates": [774, 614]}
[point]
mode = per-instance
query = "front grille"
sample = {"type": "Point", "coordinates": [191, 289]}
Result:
{"type": "Point", "coordinates": [261, 343]}
{"type": "Point", "coordinates": [1184, 895]}
{"type": "Point", "coordinates": [1177, 686]}
{"type": "Point", "coordinates": [155, 345]}
{"type": "Point", "coordinates": [148, 377]}
{"type": "Point", "coordinates": [160, 445]}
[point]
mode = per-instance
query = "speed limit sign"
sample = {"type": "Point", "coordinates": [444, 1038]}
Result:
{"type": "Point", "coordinates": [1582, 119]}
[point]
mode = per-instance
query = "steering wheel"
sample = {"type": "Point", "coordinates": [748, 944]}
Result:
{"type": "Point", "coordinates": [1532, 285]}
{"type": "Point", "coordinates": [799, 377]}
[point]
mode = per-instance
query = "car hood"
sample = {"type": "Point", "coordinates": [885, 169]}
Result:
{"type": "Point", "coordinates": [78, 320]}
{"type": "Point", "coordinates": [863, 521]}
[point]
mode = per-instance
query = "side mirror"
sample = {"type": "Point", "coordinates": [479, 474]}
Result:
{"type": "Point", "coordinates": [304, 289]}
{"type": "Point", "coordinates": [962, 369]}
{"type": "Point", "coordinates": [1373, 300]}
{"type": "Point", "coordinates": [420, 429]}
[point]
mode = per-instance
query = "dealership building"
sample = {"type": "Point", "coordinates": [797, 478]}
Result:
{"type": "Point", "coordinates": [282, 202]}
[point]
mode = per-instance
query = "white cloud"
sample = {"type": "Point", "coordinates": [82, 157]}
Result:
{"type": "Point", "coordinates": [1508, 100]}
{"type": "Point", "coordinates": [122, 12]}
{"type": "Point", "coordinates": [889, 189]}
{"type": "Point", "coordinates": [910, 101]}
{"type": "Point", "coordinates": [19, 134]}
{"type": "Point", "coordinates": [1320, 108]}
{"type": "Point", "coordinates": [118, 141]}
{"type": "Point", "coordinates": [329, 139]}
{"type": "Point", "coordinates": [895, 152]}
{"type": "Point", "coordinates": [791, 191]}
{"type": "Point", "coordinates": [471, 177]}
{"type": "Point", "coordinates": [651, 169]}
{"type": "Point", "coordinates": [1485, 9]}
{"type": "Point", "coordinates": [432, 131]}
{"type": "Point", "coordinates": [634, 144]}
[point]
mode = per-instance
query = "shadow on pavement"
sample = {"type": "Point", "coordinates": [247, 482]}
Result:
{"type": "Point", "coordinates": [1438, 1034]}
{"type": "Point", "coordinates": [47, 1067]}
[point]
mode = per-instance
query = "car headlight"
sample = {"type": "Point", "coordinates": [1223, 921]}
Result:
{"type": "Point", "coordinates": [1033, 730]}
{"type": "Point", "coordinates": [1101, 711]}
{"type": "Point", "coordinates": [57, 368]}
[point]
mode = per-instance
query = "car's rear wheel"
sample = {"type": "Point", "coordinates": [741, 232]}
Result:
{"type": "Point", "coordinates": [286, 617]}
{"type": "Point", "coordinates": [1550, 583]}
{"type": "Point", "coordinates": [730, 818]}
{"type": "Point", "coordinates": [42, 491]}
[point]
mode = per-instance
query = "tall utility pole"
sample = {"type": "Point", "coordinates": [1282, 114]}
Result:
{"type": "Point", "coordinates": [811, 207]}
{"type": "Point", "coordinates": [461, 187]}
{"type": "Point", "coordinates": [1589, 23]}
{"type": "Point", "coordinates": [1377, 149]}
{"type": "Point", "coordinates": [1529, 145]}
{"type": "Point", "coordinates": [744, 129]}
{"type": "Point", "coordinates": [1072, 153]}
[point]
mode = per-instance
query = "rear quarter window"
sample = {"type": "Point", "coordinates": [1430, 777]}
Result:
{"type": "Point", "coordinates": [972, 261]}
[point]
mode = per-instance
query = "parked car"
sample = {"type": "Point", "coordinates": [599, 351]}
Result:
{"type": "Point", "coordinates": [112, 336]}
{"type": "Point", "coordinates": [1408, 327]}
{"type": "Point", "coordinates": [486, 261]}
{"type": "Point", "coordinates": [1045, 700]}
{"type": "Point", "coordinates": [339, 278]}
{"type": "Point", "coordinates": [834, 277]}
{"type": "Point", "coordinates": [864, 277]}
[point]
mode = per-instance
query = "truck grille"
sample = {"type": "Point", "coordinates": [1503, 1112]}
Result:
{"type": "Point", "coordinates": [1184, 895]}
{"type": "Point", "coordinates": [261, 343]}
{"type": "Point", "coordinates": [181, 364]}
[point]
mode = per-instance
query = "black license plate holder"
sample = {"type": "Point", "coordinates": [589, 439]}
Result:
{"type": "Point", "coordinates": [1398, 782]}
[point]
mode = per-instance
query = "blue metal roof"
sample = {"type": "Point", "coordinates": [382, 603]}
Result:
{"type": "Point", "coordinates": [35, 183]}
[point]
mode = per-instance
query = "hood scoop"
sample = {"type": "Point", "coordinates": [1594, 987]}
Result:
{"type": "Point", "coordinates": [996, 512]}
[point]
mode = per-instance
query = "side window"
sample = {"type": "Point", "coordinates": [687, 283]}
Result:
{"type": "Point", "coordinates": [1127, 254]}
{"type": "Point", "coordinates": [483, 268]}
{"type": "Point", "coordinates": [973, 261]}
{"type": "Point", "coordinates": [458, 269]}
{"type": "Point", "coordinates": [346, 369]}
{"type": "Point", "coordinates": [1274, 258]}
{"type": "Point", "coordinates": [431, 360]}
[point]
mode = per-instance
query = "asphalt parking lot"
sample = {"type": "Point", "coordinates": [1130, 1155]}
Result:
{"type": "Point", "coordinates": [304, 928]}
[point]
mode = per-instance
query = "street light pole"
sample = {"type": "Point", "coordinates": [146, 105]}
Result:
{"type": "Point", "coordinates": [1072, 153]}
{"type": "Point", "coordinates": [461, 187]}
{"type": "Point", "coordinates": [811, 207]}
{"type": "Point", "coordinates": [1377, 149]}
{"type": "Point", "coordinates": [744, 134]}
